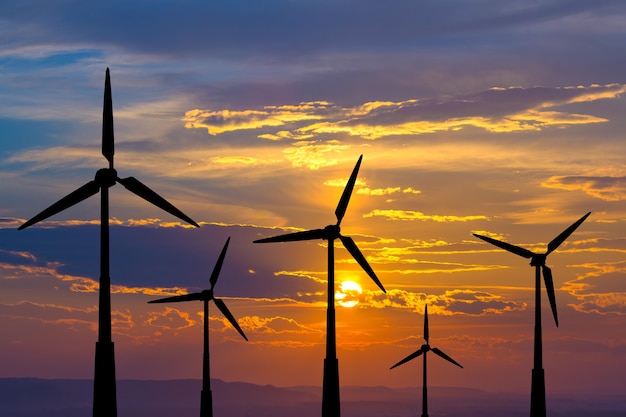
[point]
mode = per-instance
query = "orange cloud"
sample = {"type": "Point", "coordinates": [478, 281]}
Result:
{"type": "Point", "coordinates": [170, 319]}
{"type": "Point", "coordinates": [451, 302]}
{"type": "Point", "coordinates": [600, 290]}
{"type": "Point", "coordinates": [275, 325]}
{"type": "Point", "coordinates": [605, 188]}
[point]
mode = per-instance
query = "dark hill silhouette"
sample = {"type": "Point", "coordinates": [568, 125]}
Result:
{"type": "Point", "coordinates": [31, 397]}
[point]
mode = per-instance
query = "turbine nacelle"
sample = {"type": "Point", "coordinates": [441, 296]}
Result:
{"type": "Point", "coordinates": [106, 177]}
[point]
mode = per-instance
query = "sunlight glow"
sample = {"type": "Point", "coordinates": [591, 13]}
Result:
{"type": "Point", "coordinates": [348, 294]}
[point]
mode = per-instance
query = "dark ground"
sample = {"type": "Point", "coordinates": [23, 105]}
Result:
{"type": "Point", "coordinates": [28, 397]}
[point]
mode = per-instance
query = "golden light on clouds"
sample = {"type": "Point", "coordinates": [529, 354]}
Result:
{"type": "Point", "coordinates": [409, 215]}
{"type": "Point", "coordinates": [313, 155]}
{"type": "Point", "coordinates": [531, 109]}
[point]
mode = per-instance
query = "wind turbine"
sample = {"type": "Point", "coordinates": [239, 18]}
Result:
{"type": "Point", "coordinates": [538, 260]}
{"type": "Point", "coordinates": [206, 398]}
{"type": "Point", "coordinates": [105, 401]}
{"type": "Point", "coordinates": [424, 350]}
{"type": "Point", "coordinates": [330, 391]}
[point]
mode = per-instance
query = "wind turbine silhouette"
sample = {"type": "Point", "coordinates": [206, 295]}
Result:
{"type": "Point", "coordinates": [424, 350]}
{"type": "Point", "coordinates": [105, 401]}
{"type": "Point", "coordinates": [538, 389]}
{"type": "Point", "coordinates": [330, 391]}
{"type": "Point", "coordinates": [206, 397]}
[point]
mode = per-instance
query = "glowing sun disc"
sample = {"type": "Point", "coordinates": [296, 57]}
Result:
{"type": "Point", "coordinates": [348, 294]}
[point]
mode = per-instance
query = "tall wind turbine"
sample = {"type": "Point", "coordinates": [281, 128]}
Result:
{"type": "Point", "coordinates": [538, 260]}
{"type": "Point", "coordinates": [330, 392]}
{"type": "Point", "coordinates": [104, 399]}
{"type": "Point", "coordinates": [424, 350]}
{"type": "Point", "coordinates": [206, 397]}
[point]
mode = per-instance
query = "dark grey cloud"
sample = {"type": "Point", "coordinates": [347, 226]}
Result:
{"type": "Point", "coordinates": [164, 257]}
{"type": "Point", "coordinates": [233, 28]}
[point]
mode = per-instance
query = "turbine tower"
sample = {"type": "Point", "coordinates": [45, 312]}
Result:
{"type": "Point", "coordinates": [424, 350]}
{"type": "Point", "coordinates": [104, 399]}
{"type": "Point", "coordinates": [206, 397]}
{"type": "Point", "coordinates": [330, 391]}
{"type": "Point", "coordinates": [538, 389]}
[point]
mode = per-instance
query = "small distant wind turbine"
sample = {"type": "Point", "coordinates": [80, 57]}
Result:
{"type": "Point", "coordinates": [330, 392]}
{"type": "Point", "coordinates": [105, 401]}
{"type": "Point", "coordinates": [423, 350]}
{"type": "Point", "coordinates": [206, 398]}
{"type": "Point", "coordinates": [538, 390]}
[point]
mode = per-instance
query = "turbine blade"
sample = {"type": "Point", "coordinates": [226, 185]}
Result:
{"type": "Point", "coordinates": [547, 278]}
{"type": "Point", "coordinates": [69, 200]}
{"type": "Point", "coordinates": [108, 146]}
{"type": "Point", "coordinates": [349, 244]}
{"type": "Point", "coordinates": [556, 242]}
{"type": "Point", "coordinates": [135, 186]}
{"type": "Point", "coordinates": [446, 357]}
{"type": "Point", "coordinates": [196, 296]}
{"type": "Point", "coordinates": [220, 304]}
{"type": "Point", "coordinates": [410, 357]}
{"type": "Point", "coordinates": [292, 237]}
{"type": "Point", "coordinates": [347, 192]}
{"type": "Point", "coordinates": [426, 324]}
{"type": "Point", "coordinates": [507, 246]}
{"type": "Point", "coordinates": [218, 265]}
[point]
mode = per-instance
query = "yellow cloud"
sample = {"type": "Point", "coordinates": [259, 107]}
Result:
{"type": "Point", "coordinates": [221, 121]}
{"type": "Point", "coordinates": [374, 120]}
{"type": "Point", "coordinates": [408, 215]}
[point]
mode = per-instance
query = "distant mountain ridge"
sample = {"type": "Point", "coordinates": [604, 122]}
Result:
{"type": "Point", "coordinates": [32, 397]}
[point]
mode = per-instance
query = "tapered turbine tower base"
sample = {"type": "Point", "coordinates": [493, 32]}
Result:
{"type": "Point", "coordinates": [331, 405]}
{"type": "Point", "coordinates": [104, 391]}
{"type": "Point", "coordinates": [538, 394]}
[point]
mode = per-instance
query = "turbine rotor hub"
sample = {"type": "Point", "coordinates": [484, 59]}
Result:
{"type": "Point", "coordinates": [207, 294]}
{"type": "Point", "coordinates": [538, 260]}
{"type": "Point", "coordinates": [106, 177]}
{"type": "Point", "coordinates": [426, 347]}
{"type": "Point", "coordinates": [332, 231]}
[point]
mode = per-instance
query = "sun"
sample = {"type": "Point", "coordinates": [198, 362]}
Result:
{"type": "Point", "coordinates": [348, 294]}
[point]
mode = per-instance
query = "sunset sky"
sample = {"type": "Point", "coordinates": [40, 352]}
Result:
{"type": "Point", "coordinates": [503, 118]}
